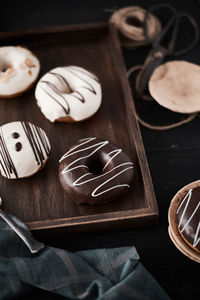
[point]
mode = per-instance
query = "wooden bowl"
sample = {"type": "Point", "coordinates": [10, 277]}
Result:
{"type": "Point", "coordinates": [173, 230]}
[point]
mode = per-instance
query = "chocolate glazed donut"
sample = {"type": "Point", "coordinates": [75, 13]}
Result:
{"type": "Point", "coordinates": [95, 171]}
{"type": "Point", "coordinates": [188, 218]}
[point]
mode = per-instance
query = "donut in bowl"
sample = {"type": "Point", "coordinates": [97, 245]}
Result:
{"type": "Point", "coordinates": [68, 94]}
{"type": "Point", "coordinates": [95, 171]}
{"type": "Point", "coordinates": [19, 69]}
{"type": "Point", "coordinates": [184, 220]}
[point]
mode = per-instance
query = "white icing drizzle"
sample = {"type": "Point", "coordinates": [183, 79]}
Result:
{"type": "Point", "coordinates": [121, 167]}
{"type": "Point", "coordinates": [94, 194]}
{"type": "Point", "coordinates": [116, 152]}
{"type": "Point", "coordinates": [187, 199]}
{"type": "Point", "coordinates": [190, 217]}
{"type": "Point", "coordinates": [196, 239]}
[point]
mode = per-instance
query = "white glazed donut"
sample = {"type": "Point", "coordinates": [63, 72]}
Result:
{"type": "Point", "coordinates": [19, 69]}
{"type": "Point", "coordinates": [68, 94]}
{"type": "Point", "coordinates": [24, 149]}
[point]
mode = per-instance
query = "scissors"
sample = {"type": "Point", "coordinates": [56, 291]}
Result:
{"type": "Point", "coordinates": [159, 52]}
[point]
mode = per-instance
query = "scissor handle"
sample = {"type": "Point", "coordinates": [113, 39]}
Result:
{"type": "Point", "coordinates": [175, 19]}
{"type": "Point", "coordinates": [152, 9]}
{"type": "Point", "coordinates": [162, 5]}
{"type": "Point", "coordinates": [172, 43]}
{"type": "Point", "coordinates": [157, 55]}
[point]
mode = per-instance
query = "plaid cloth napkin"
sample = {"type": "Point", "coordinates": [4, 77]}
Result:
{"type": "Point", "coordinates": [112, 274]}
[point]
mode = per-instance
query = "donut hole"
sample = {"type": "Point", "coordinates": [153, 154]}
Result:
{"type": "Point", "coordinates": [64, 89]}
{"type": "Point", "coordinates": [4, 67]}
{"type": "Point", "coordinates": [96, 166]}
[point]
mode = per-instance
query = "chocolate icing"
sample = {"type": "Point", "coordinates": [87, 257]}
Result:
{"type": "Point", "coordinates": [15, 135]}
{"type": "Point", "coordinates": [18, 146]}
{"type": "Point", "coordinates": [37, 140]}
{"type": "Point", "coordinates": [95, 171]}
{"type": "Point", "coordinates": [188, 217]}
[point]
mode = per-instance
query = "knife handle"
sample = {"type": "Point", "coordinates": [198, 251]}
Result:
{"type": "Point", "coordinates": [33, 245]}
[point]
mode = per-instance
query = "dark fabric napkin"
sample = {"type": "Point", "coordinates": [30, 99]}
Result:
{"type": "Point", "coordinates": [93, 274]}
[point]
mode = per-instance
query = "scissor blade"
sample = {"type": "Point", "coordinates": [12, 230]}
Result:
{"type": "Point", "coordinates": [153, 60]}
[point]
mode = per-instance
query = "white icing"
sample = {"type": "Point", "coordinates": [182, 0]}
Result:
{"type": "Point", "coordinates": [116, 152]}
{"type": "Point", "coordinates": [123, 167]}
{"type": "Point", "coordinates": [22, 74]}
{"type": "Point", "coordinates": [26, 162]}
{"type": "Point", "coordinates": [196, 239]}
{"type": "Point", "coordinates": [68, 92]}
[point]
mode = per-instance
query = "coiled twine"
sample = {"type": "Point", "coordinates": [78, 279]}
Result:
{"type": "Point", "coordinates": [136, 26]}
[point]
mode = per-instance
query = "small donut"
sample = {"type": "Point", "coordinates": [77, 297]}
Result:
{"type": "Point", "coordinates": [24, 149]}
{"type": "Point", "coordinates": [188, 218]}
{"type": "Point", "coordinates": [19, 68]}
{"type": "Point", "coordinates": [95, 171]}
{"type": "Point", "coordinates": [68, 94]}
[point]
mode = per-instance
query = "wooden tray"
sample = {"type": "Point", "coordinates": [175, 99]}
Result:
{"type": "Point", "coordinates": [40, 201]}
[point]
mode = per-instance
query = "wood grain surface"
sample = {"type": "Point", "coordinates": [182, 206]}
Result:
{"type": "Point", "coordinates": [40, 200]}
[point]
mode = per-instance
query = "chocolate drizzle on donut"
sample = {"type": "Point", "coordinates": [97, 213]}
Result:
{"type": "Point", "coordinates": [73, 71]}
{"type": "Point", "coordinates": [188, 217]}
{"type": "Point", "coordinates": [6, 162]}
{"type": "Point", "coordinates": [113, 173]}
{"type": "Point", "coordinates": [85, 72]}
{"type": "Point", "coordinates": [38, 142]}
{"type": "Point", "coordinates": [76, 94]}
{"type": "Point", "coordinates": [54, 88]}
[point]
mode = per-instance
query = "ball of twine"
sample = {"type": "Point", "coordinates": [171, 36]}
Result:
{"type": "Point", "coordinates": [136, 26]}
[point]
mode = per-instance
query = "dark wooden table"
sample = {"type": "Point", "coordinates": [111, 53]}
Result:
{"type": "Point", "coordinates": [173, 155]}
